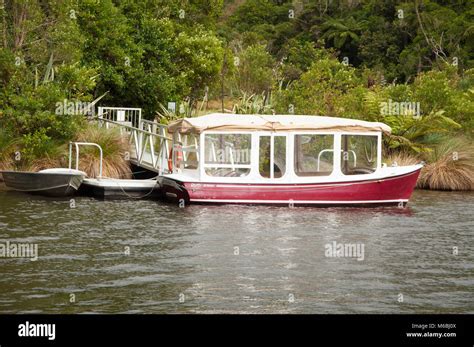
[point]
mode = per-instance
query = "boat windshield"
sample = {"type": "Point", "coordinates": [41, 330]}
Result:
{"type": "Point", "coordinates": [186, 151]}
{"type": "Point", "coordinates": [314, 154]}
{"type": "Point", "coordinates": [359, 154]}
{"type": "Point", "coordinates": [227, 155]}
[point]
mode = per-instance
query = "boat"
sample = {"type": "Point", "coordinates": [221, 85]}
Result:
{"type": "Point", "coordinates": [283, 159]}
{"type": "Point", "coordinates": [113, 188]}
{"type": "Point", "coordinates": [57, 182]}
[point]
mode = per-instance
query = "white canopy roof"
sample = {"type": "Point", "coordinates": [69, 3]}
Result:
{"type": "Point", "coordinates": [236, 122]}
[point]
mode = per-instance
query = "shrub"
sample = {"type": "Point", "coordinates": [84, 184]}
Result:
{"type": "Point", "coordinates": [255, 73]}
{"type": "Point", "coordinates": [450, 166]}
{"type": "Point", "coordinates": [115, 147]}
{"type": "Point", "coordinates": [7, 149]}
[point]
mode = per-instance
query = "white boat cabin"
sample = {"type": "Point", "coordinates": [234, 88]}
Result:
{"type": "Point", "coordinates": [276, 149]}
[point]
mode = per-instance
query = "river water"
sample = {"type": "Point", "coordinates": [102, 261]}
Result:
{"type": "Point", "coordinates": [150, 257]}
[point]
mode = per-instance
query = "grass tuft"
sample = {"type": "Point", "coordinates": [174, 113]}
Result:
{"type": "Point", "coordinates": [450, 166]}
{"type": "Point", "coordinates": [115, 147]}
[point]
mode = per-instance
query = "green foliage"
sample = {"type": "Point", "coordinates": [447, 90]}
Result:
{"type": "Point", "coordinates": [144, 58]}
{"type": "Point", "coordinates": [199, 58]}
{"type": "Point", "coordinates": [330, 87]}
{"type": "Point", "coordinates": [141, 53]}
{"type": "Point", "coordinates": [184, 110]}
{"type": "Point", "coordinates": [343, 31]}
{"type": "Point", "coordinates": [255, 70]}
{"type": "Point", "coordinates": [36, 144]}
{"type": "Point", "coordinates": [272, 55]}
{"type": "Point", "coordinates": [411, 133]}
{"type": "Point", "coordinates": [318, 89]}
{"type": "Point", "coordinates": [298, 56]}
{"type": "Point", "coordinates": [7, 149]}
{"type": "Point", "coordinates": [253, 104]}
{"type": "Point", "coordinates": [254, 15]}
{"type": "Point", "coordinates": [400, 39]}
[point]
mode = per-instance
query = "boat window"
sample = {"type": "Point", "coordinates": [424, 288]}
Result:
{"type": "Point", "coordinates": [227, 155]}
{"type": "Point", "coordinates": [314, 155]}
{"type": "Point", "coordinates": [279, 156]}
{"type": "Point", "coordinates": [188, 144]}
{"type": "Point", "coordinates": [359, 154]}
{"type": "Point", "coordinates": [264, 156]}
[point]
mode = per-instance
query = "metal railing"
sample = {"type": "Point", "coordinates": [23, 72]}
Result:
{"type": "Point", "coordinates": [77, 144]}
{"type": "Point", "coordinates": [122, 115]}
{"type": "Point", "coordinates": [151, 139]}
{"type": "Point", "coordinates": [331, 150]}
{"type": "Point", "coordinates": [183, 146]}
{"type": "Point", "coordinates": [148, 141]}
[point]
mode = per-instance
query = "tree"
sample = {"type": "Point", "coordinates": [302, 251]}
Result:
{"type": "Point", "coordinates": [342, 31]}
{"type": "Point", "coordinates": [318, 89]}
{"type": "Point", "coordinates": [255, 70]}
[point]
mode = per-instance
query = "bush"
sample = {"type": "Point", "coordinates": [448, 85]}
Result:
{"type": "Point", "coordinates": [255, 70]}
{"type": "Point", "coordinates": [115, 148]}
{"type": "Point", "coordinates": [7, 150]}
{"type": "Point", "coordinates": [450, 166]}
{"type": "Point", "coordinates": [319, 90]}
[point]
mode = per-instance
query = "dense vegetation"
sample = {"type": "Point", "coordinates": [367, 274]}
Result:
{"type": "Point", "coordinates": [409, 64]}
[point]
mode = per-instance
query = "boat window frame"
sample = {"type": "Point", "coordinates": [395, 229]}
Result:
{"type": "Point", "coordinates": [202, 168]}
{"type": "Point", "coordinates": [177, 145]}
{"type": "Point", "coordinates": [335, 167]}
{"type": "Point", "coordinates": [272, 135]}
{"type": "Point", "coordinates": [290, 175]}
{"type": "Point", "coordinates": [377, 134]}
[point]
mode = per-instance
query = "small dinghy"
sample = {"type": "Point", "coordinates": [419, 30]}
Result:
{"type": "Point", "coordinates": [51, 182]}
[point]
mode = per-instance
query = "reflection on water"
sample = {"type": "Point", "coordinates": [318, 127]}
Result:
{"type": "Point", "coordinates": [149, 257]}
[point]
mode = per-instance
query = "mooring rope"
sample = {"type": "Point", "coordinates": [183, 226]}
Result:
{"type": "Point", "coordinates": [138, 197]}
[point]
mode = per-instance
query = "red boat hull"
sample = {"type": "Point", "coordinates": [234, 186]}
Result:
{"type": "Point", "coordinates": [387, 191]}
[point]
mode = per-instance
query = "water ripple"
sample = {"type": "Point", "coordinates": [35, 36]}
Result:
{"type": "Point", "coordinates": [149, 257]}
